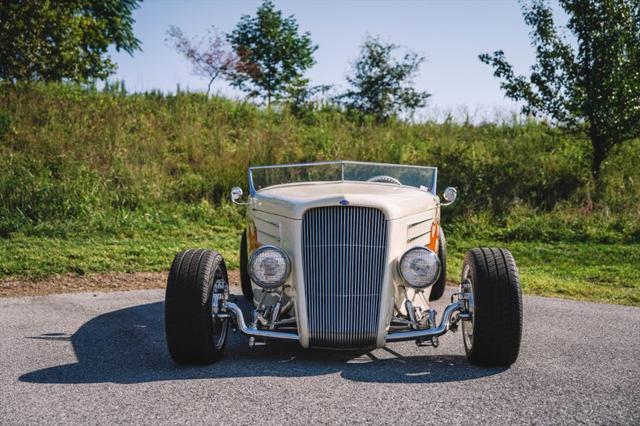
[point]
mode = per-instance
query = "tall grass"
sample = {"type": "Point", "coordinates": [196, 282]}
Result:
{"type": "Point", "coordinates": [78, 160]}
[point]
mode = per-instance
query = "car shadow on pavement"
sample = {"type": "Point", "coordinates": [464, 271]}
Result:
{"type": "Point", "coordinates": [128, 346]}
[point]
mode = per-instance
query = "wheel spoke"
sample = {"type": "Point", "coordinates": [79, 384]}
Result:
{"type": "Point", "coordinates": [468, 324]}
{"type": "Point", "coordinates": [219, 294]}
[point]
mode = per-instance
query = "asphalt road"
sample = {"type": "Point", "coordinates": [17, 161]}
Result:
{"type": "Point", "coordinates": [99, 359]}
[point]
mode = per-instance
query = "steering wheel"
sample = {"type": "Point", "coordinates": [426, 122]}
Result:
{"type": "Point", "coordinates": [385, 179]}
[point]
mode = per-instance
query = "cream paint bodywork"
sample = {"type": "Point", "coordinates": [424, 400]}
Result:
{"type": "Point", "coordinates": [276, 213]}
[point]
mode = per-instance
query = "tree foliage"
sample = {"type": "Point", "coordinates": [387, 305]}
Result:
{"type": "Point", "coordinates": [593, 87]}
{"type": "Point", "coordinates": [210, 56]}
{"type": "Point", "coordinates": [54, 40]}
{"type": "Point", "coordinates": [382, 85]}
{"type": "Point", "coordinates": [301, 97]}
{"type": "Point", "coordinates": [272, 54]}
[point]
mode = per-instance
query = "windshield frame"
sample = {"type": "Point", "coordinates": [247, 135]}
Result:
{"type": "Point", "coordinates": [253, 191]}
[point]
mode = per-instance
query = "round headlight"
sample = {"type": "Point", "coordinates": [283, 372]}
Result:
{"type": "Point", "coordinates": [269, 267]}
{"type": "Point", "coordinates": [419, 267]}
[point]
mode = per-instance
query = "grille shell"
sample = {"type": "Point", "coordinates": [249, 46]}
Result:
{"type": "Point", "coordinates": [344, 252]}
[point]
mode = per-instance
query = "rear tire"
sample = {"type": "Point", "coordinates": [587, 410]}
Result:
{"type": "Point", "coordinates": [492, 337]}
{"type": "Point", "coordinates": [438, 288]}
{"type": "Point", "coordinates": [193, 335]}
{"type": "Point", "coordinates": [245, 280]}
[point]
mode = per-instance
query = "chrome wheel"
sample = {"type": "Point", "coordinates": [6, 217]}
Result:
{"type": "Point", "coordinates": [219, 295]}
{"type": "Point", "coordinates": [466, 288]}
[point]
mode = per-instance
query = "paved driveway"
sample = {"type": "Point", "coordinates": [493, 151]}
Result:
{"type": "Point", "coordinates": [85, 358]}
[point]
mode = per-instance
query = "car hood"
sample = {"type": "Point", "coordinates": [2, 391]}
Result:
{"type": "Point", "coordinates": [293, 200]}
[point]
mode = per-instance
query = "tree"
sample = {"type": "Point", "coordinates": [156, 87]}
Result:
{"type": "Point", "coordinates": [300, 95]}
{"type": "Point", "coordinates": [593, 88]}
{"type": "Point", "coordinates": [380, 84]}
{"type": "Point", "coordinates": [211, 56]}
{"type": "Point", "coordinates": [273, 56]}
{"type": "Point", "coordinates": [53, 40]}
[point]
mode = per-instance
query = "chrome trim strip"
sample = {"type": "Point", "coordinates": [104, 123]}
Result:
{"type": "Point", "coordinates": [297, 279]}
{"type": "Point", "coordinates": [275, 237]}
{"type": "Point", "coordinates": [412, 239]}
{"type": "Point", "coordinates": [274, 224]}
{"type": "Point", "coordinates": [422, 222]}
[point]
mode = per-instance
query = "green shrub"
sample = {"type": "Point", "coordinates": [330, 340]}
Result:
{"type": "Point", "coordinates": [73, 159]}
{"type": "Point", "coordinates": [5, 122]}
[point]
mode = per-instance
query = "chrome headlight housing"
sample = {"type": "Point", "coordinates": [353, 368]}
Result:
{"type": "Point", "coordinates": [269, 267]}
{"type": "Point", "coordinates": [419, 267]}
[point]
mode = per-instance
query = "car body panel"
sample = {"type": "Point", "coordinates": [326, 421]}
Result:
{"type": "Point", "coordinates": [275, 217]}
{"type": "Point", "coordinates": [292, 200]}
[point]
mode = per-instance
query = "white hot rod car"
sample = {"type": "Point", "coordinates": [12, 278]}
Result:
{"type": "Point", "coordinates": [343, 255]}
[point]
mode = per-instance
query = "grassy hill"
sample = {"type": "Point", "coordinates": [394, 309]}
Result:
{"type": "Point", "coordinates": [107, 181]}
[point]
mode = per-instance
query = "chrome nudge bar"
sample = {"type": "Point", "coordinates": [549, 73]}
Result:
{"type": "Point", "coordinates": [236, 313]}
{"type": "Point", "coordinates": [396, 336]}
{"type": "Point", "coordinates": [399, 336]}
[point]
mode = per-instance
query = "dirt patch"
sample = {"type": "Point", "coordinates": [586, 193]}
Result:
{"type": "Point", "coordinates": [114, 281]}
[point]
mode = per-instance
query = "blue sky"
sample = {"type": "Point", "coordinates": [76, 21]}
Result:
{"type": "Point", "coordinates": [450, 34]}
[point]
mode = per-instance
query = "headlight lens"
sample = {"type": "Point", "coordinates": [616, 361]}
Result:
{"type": "Point", "coordinates": [419, 267]}
{"type": "Point", "coordinates": [269, 267]}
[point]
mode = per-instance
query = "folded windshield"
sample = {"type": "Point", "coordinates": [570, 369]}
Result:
{"type": "Point", "coordinates": [262, 177]}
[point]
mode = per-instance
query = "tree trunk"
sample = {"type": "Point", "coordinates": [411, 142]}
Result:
{"type": "Point", "coordinates": [213, 77]}
{"type": "Point", "coordinates": [209, 86]}
{"type": "Point", "coordinates": [596, 162]}
{"type": "Point", "coordinates": [599, 155]}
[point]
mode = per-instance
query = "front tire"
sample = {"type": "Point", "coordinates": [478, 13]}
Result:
{"type": "Point", "coordinates": [492, 337]}
{"type": "Point", "coordinates": [196, 279]}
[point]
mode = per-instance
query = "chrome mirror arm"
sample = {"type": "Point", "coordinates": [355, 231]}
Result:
{"type": "Point", "coordinates": [236, 193]}
{"type": "Point", "coordinates": [450, 194]}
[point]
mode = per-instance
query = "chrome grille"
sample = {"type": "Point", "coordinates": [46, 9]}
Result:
{"type": "Point", "coordinates": [343, 262]}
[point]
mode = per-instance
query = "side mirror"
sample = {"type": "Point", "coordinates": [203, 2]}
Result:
{"type": "Point", "coordinates": [236, 194]}
{"type": "Point", "coordinates": [450, 194]}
